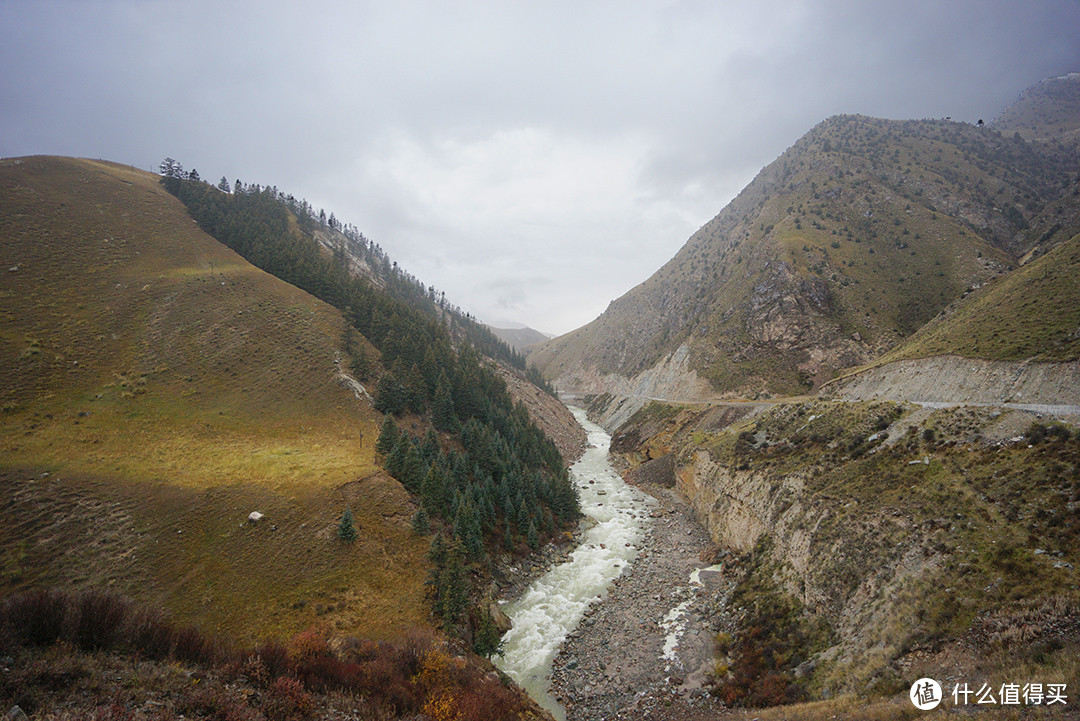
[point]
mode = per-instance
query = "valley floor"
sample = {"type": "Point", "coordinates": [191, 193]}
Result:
{"type": "Point", "coordinates": [613, 665]}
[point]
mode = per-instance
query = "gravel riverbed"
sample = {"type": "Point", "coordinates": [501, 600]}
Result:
{"type": "Point", "coordinates": [614, 665]}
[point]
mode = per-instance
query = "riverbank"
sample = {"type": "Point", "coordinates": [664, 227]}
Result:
{"type": "Point", "coordinates": [613, 665]}
{"type": "Point", "coordinates": [553, 605]}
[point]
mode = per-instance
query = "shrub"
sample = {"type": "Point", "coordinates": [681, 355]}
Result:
{"type": "Point", "coordinates": [287, 700]}
{"type": "Point", "coordinates": [216, 703]}
{"type": "Point", "coordinates": [308, 645]}
{"type": "Point", "coordinates": [1036, 434]}
{"type": "Point", "coordinates": [274, 659]}
{"type": "Point", "coordinates": [36, 617]}
{"type": "Point", "coordinates": [98, 618]}
{"type": "Point", "coordinates": [150, 632]}
{"type": "Point", "coordinates": [194, 647]}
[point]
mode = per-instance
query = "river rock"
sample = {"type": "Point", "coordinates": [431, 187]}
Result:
{"type": "Point", "coordinates": [501, 620]}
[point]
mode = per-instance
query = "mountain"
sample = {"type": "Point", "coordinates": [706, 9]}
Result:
{"type": "Point", "coordinates": [519, 338]}
{"type": "Point", "coordinates": [913, 514]}
{"type": "Point", "coordinates": [847, 244]}
{"type": "Point", "coordinates": [1046, 112]}
{"type": "Point", "coordinates": [177, 356]}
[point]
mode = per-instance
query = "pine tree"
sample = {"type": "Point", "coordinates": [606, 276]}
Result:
{"type": "Point", "coordinates": [531, 536]}
{"type": "Point", "coordinates": [508, 535]}
{"type": "Point", "coordinates": [433, 489]}
{"type": "Point", "coordinates": [453, 590]}
{"type": "Point", "coordinates": [442, 408]}
{"type": "Point", "coordinates": [390, 395]}
{"type": "Point", "coordinates": [487, 642]}
{"type": "Point", "coordinates": [420, 522]}
{"type": "Point", "coordinates": [395, 460]}
{"type": "Point", "coordinates": [346, 530]}
{"type": "Point", "coordinates": [388, 435]}
{"type": "Point", "coordinates": [412, 470]}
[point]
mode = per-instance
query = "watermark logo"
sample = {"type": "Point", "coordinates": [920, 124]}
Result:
{"type": "Point", "coordinates": [925, 694]}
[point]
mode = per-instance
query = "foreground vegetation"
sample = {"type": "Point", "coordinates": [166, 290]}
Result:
{"type": "Point", "coordinates": [95, 655]}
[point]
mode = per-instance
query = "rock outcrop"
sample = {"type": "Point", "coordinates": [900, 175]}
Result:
{"type": "Point", "coordinates": [955, 380]}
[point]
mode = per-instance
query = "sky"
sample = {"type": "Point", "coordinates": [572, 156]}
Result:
{"type": "Point", "coordinates": [534, 160]}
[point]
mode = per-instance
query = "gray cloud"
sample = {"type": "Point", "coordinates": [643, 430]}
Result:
{"type": "Point", "coordinates": [532, 160]}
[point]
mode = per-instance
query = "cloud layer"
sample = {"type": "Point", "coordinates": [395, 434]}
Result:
{"type": "Point", "coordinates": [533, 160]}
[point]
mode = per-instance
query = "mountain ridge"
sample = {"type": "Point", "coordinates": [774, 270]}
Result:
{"type": "Point", "coordinates": [854, 238]}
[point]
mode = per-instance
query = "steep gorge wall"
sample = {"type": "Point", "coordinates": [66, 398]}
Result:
{"type": "Point", "coordinates": [857, 576]}
{"type": "Point", "coordinates": [900, 541]}
{"type": "Point", "coordinates": [670, 379]}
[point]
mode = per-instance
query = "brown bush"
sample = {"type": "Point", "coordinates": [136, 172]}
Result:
{"type": "Point", "coordinates": [217, 703]}
{"type": "Point", "coordinates": [288, 701]}
{"type": "Point", "coordinates": [35, 618]}
{"type": "Point", "coordinates": [98, 619]}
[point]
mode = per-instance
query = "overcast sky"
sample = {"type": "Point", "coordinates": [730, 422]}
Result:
{"type": "Point", "coordinates": [535, 160]}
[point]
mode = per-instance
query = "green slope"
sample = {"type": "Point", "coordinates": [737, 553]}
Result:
{"type": "Point", "coordinates": [1032, 313]}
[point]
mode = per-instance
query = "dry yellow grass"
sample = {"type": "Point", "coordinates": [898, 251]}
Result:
{"type": "Point", "coordinates": [168, 385]}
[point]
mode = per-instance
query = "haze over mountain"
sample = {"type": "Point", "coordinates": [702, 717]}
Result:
{"type": "Point", "coordinates": [520, 338]}
{"type": "Point", "coordinates": [504, 154]}
{"type": "Point", "coordinates": [857, 236]}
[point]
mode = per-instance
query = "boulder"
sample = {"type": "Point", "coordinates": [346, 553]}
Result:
{"type": "Point", "coordinates": [501, 620]}
{"type": "Point", "coordinates": [254, 517]}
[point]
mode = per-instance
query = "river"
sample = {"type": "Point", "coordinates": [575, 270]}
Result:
{"type": "Point", "coordinates": [553, 605]}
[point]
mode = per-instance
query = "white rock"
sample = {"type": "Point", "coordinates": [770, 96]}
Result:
{"type": "Point", "coordinates": [254, 516]}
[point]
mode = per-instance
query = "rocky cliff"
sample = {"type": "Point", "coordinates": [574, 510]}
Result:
{"type": "Point", "coordinates": [895, 540]}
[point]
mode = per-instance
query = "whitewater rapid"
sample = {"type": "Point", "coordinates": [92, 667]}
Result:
{"type": "Point", "coordinates": [553, 605]}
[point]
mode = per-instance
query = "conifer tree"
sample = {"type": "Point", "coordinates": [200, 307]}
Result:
{"type": "Point", "coordinates": [390, 395]}
{"type": "Point", "coordinates": [508, 535]}
{"type": "Point", "coordinates": [395, 461]}
{"type": "Point", "coordinates": [412, 470]}
{"type": "Point", "coordinates": [433, 489]}
{"type": "Point", "coordinates": [531, 536]}
{"type": "Point", "coordinates": [453, 590]}
{"type": "Point", "coordinates": [442, 408]}
{"type": "Point", "coordinates": [346, 530]}
{"type": "Point", "coordinates": [487, 642]}
{"type": "Point", "coordinates": [388, 435]}
{"type": "Point", "coordinates": [420, 522]}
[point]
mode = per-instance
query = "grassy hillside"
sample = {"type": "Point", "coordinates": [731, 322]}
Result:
{"type": "Point", "coordinates": [168, 388]}
{"type": "Point", "coordinates": [847, 244]}
{"type": "Point", "coordinates": [1031, 313]}
{"type": "Point", "coordinates": [1048, 111]}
